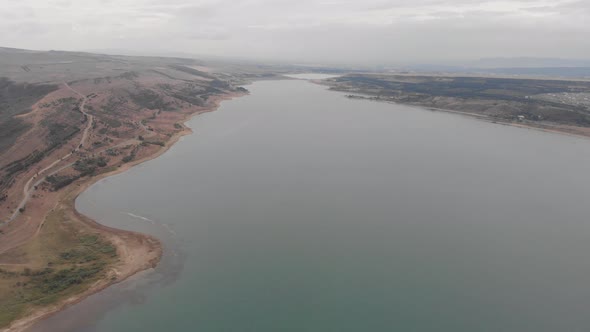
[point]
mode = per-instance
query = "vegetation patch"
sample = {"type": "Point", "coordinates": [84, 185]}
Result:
{"type": "Point", "coordinates": [146, 98]}
{"type": "Point", "coordinates": [88, 166]}
{"type": "Point", "coordinates": [10, 130]}
{"type": "Point", "coordinates": [60, 132]}
{"type": "Point", "coordinates": [131, 155]}
{"type": "Point", "coordinates": [192, 71]}
{"type": "Point", "coordinates": [17, 98]}
{"type": "Point", "coordinates": [59, 181]}
{"type": "Point", "coordinates": [153, 142]}
{"type": "Point", "coordinates": [115, 105]}
{"type": "Point", "coordinates": [65, 259]}
{"type": "Point", "coordinates": [113, 123]}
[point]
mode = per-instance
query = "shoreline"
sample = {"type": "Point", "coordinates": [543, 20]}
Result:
{"type": "Point", "coordinates": [142, 255]}
{"type": "Point", "coordinates": [547, 128]}
{"type": "Point", "coordinates": [544, 127]}
{"type": "Point", "coordinates": [117, 236]}
{"type": "Point", "coordinates": [150, 247]}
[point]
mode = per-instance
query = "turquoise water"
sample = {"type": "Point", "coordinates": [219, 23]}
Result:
{"type": "Point", "coordinates": [297, 209]}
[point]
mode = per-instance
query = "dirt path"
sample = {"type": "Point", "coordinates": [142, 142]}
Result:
{"type": "Point", "coordinates": [88, 116]}
{"type": "Point", "coordinates": [28, 189]}
{"type": "Point", "coordinates": [137, 252]}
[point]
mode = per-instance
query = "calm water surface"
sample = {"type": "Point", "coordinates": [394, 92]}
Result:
{"type": "Point", "coordinates": [297, 209]}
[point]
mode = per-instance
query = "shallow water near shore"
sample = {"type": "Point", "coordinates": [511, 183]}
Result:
{"type": "Point", "coordinates": [297, 209]}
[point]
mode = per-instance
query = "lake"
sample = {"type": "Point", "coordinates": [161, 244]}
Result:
{"type": "Point", "coordinates": [298, 209]}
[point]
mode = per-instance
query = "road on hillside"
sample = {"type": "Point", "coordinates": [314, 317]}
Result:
{"type": "Point", "coordinates": [28, 188]}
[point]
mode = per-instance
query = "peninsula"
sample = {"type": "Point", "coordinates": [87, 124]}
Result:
{"type": "Point", "coordinates": [67, 120]}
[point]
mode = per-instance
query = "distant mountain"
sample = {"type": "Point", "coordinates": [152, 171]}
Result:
{"type": "Point", "coordinates": [529, 62]}
{"type": "Point", "coordinates": [9, 50]}
{"type": "Point", "coordinates": [546, 67]}
{"type": "Point", "coordinates": [569, 72]}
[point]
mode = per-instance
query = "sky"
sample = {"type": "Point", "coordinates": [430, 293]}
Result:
{"type": "Point", "coordinates": [306, 31]}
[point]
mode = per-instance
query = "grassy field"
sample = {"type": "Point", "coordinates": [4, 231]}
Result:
{"type": "Point", "coordinates": [64, 259]}
{"type": "Point", "coordinates": [15, 99]}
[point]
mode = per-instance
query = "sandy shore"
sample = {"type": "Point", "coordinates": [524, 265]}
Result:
{"type": "Point", "coordinates": [137, 252]}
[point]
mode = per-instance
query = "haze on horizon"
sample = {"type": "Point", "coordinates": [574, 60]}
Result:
{"type": "Point", "coordinates": [324, 31]}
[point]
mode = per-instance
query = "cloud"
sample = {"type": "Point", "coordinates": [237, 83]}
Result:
{"type": "Point", "coordinates": [361, 31]}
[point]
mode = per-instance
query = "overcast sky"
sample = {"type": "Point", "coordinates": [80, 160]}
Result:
{"type": "Point", "coordinates": [323, 31]}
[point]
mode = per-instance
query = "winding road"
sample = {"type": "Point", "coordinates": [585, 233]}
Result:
{"type": "Point", "coordinates": [28, 188]}
{"type": "Point", "coordinates": [89, 117]}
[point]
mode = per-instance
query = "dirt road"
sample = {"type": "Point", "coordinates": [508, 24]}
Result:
{"type": "Point", "coordinates": [28, 188]}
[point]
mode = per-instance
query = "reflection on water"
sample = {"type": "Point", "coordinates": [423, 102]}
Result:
{"type": "Point", "coordinates": [297, 209]}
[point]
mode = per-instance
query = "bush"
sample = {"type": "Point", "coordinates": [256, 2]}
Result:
{"type": "Point", "coordinates": [89, 165]}
{"type": "Point", "coordinates": [160, 143]}
{"type": "Point", "coordinates": [60, 181]}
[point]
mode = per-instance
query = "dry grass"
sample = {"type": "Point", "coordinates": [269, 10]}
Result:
{"type": "Point", "coordinates": [64, 259]}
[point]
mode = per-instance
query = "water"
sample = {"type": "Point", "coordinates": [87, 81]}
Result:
{"type": "Point", "coordinates": [311, 76]}
{"type": "Point", "coordinates": [297, 209]}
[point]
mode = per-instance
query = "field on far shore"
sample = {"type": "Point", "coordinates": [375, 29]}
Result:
{"type": "Point", "coordinates": [550, 104]}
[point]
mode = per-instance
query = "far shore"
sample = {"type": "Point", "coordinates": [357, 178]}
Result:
{"type": "Point", "coordinates": [579, 132]}
{"type": "Point", "coordinates": [140, 252]}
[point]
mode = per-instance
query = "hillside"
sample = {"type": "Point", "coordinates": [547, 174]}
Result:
{"type": "Point", "coordinates": [66, 120]}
